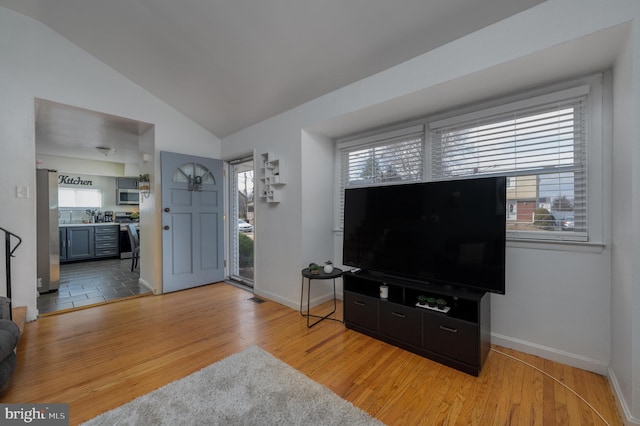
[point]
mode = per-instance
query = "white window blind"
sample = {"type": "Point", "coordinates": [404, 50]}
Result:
{"type": "Point", "coordinates": [79, 197]}
{"type": "Point", "coordinates": [388, 158]}
{"type": "Point", "coordinates": [540, 147]}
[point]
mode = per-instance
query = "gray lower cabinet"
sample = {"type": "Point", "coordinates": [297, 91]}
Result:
{"type": "Point", "coordinates": [106, 240]}
{"type": "Point", "coordinates": [76, 243]}
{"type": "Point", "coordinates": [88, 242]}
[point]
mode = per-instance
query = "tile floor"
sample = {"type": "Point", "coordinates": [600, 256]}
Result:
{"type": "Point", "coordinates": [87, 283]}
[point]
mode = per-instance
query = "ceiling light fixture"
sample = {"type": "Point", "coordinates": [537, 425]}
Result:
{"type": "Point", "coordinates": [105, 150]}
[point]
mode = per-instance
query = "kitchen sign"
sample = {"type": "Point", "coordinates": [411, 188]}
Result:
{"type": "Point", "coordinates": [68, 180]}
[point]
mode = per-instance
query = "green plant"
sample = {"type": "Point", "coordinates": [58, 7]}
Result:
{"type": "Point", "coordinates": [245, 251]}
{"type": "Point", "coordinates": [441, 303]}
{"type": "Point", "coordinates": [314, 268]}
{"type": "Point", "coordinates": [422, 299]}
{"type": "Point", "coordinates": [431, 301]}
{"type": "Point", "coordinates": [328, 262]}
{"type": "Point", "coordinates": [144, 178]}
{"type": "Point", "coordinates": [543, 218]}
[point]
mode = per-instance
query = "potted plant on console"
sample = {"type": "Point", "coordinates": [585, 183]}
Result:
{"type": "Point", "coordinates": [328, 267]}
{"type": "Point", "coordinates": [426, 301]}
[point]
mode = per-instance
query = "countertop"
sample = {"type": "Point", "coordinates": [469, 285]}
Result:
{"type": "Point", "coordinates": [66, 225]}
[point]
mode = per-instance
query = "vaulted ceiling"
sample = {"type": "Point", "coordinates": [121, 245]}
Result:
{"type": "Point", "coordinates": [228, 64]}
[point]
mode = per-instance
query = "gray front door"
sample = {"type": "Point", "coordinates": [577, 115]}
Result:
{"type": "Point", "coordinates": [192, 221]}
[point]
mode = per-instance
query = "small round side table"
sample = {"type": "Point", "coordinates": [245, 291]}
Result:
{"type": "Point", "coordinates": [306, 273]}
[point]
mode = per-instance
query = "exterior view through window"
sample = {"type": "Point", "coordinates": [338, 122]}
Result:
{"type": "Point", "coordinates": [539, 140]}
{"type": "Point", "coordinates": [242, 223]}
{"type": "Point", "coordinates": [539, 150]}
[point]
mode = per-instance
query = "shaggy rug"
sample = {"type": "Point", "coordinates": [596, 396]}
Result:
{"type": "Point", "coordinates": [248, 388]}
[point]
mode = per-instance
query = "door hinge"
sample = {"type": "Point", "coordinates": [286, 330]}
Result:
{"type": "Point", "coordinates": [225, 263]}
{"type": "Point", "coordinates": [224, 218]}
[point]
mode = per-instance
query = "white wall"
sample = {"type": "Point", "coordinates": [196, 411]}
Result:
{"type": "Point", "coordinates": [38, 63]}
{"type": "Point", "coordinates": [559, 298]}
{"type": "Point", "coordinates": [625, 272]}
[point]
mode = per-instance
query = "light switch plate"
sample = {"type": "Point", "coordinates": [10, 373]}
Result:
{"type": "Point", "coordinates": [22, 192]}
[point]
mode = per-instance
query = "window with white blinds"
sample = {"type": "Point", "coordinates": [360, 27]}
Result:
{"type": "Point", "coordinates": [539, 141]}
{"type": "Point", "coordinates": [540, 145]}
{"type": "Point", "coordinates": [388, 158]}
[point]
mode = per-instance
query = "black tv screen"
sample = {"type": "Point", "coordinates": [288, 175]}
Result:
{"type": "Point", "coordinates": [449, 232]}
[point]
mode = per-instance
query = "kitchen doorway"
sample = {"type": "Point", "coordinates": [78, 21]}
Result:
{"type": "Point", "coordinates": [92, 282]}
{"type": "Point", "coordinates": [91, 150]}
{"type": "Point", "coordinates": [242, 220]}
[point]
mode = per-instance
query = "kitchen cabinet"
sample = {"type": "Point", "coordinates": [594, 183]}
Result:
{"type": "Point", "coordinates": [106, 241]}
{"type": "Point", "coordinates": [89, 242]}
{"type": "Point", "coordinates": [76, 243]}
{"type": "Point", "coordinates": [127, 183]}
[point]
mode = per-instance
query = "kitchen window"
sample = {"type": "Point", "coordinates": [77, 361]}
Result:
{"type": "Point", "coordinates": [80, 197]}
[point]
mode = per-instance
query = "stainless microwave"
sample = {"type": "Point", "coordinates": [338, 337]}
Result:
{"type": "Point", "coordinates": [127, 197]}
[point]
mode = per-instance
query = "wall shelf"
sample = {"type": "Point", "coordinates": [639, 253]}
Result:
{"type": "Point", "coordinates": [272, 177]}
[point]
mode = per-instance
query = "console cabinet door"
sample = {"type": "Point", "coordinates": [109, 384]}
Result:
{"type": "Point", "coordinates": [451, 337]}
{"type": "Point", "coordinates": [361, 310]}
{"type": "Point", "coordinates": [401, 323]}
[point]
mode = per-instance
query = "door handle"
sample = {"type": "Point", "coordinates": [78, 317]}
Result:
{"type": "Point", "coordinates": [166, 227]}
{"type": "Point", "coordinates": [398, 314]}
{"type": "Point", "coordinates": [167, 210]}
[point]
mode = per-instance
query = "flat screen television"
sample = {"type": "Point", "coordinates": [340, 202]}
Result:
{"type": "Point", "coordinates": [448, 232]}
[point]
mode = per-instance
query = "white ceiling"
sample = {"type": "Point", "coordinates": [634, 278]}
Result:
{"type": "Point", "coordinates": [228, 64]}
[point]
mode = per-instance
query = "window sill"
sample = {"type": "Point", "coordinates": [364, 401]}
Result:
{"type": "Point", "coordinates": [570, 246]}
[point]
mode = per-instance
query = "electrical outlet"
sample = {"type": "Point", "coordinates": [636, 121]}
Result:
{"type": "Point", "coordinates": [22, 192]}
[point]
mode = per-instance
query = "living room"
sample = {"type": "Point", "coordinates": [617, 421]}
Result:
{"type": "Point", "coordinates": [589, 321]}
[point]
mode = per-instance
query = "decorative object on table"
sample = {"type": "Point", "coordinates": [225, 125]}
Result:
{"type": "Point", "coordinates": [134, 216]}
{"type": "Point", "coordinates": [144, 185]}
{"type": "Point", "coordinates": [384, 291]}
{"type": "Point", "coordinates": [328, 267]}
{"type": "Point", "coordinates": [314, 268]}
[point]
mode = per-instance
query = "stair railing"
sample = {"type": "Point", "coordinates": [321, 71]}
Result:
{"type": "Point", "coordinates": [8, 255]}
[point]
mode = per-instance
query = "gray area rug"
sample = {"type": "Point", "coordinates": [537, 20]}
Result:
{"type": "Point", "coordinates": [249, 388]}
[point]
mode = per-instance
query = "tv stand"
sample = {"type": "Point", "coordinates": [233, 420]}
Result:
{"type": "Point", "coordinates": [460, 338]}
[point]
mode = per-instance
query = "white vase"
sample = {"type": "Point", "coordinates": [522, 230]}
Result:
{"type": "Point", "coordinates": [328, 269]}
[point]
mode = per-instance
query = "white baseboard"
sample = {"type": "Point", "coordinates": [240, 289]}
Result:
{"type": "Point", "coordinates": [574, 360]}
{"type": "Point", "coordinates": [295, 304]}
{"type": "Point", "coordinates": [623, 407]}
{"type": "Point", "coordinates": [146, 284]}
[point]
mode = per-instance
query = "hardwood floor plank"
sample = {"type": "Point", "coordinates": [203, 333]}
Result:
{"type": "Point", "coordinates": [99, 358]}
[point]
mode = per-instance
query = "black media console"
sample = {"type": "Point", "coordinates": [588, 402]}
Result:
{"type": "Point", "coordinates": [459, 338]}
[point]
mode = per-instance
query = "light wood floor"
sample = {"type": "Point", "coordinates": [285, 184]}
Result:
{"type": "Point", "coordinates": [99, 358]}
